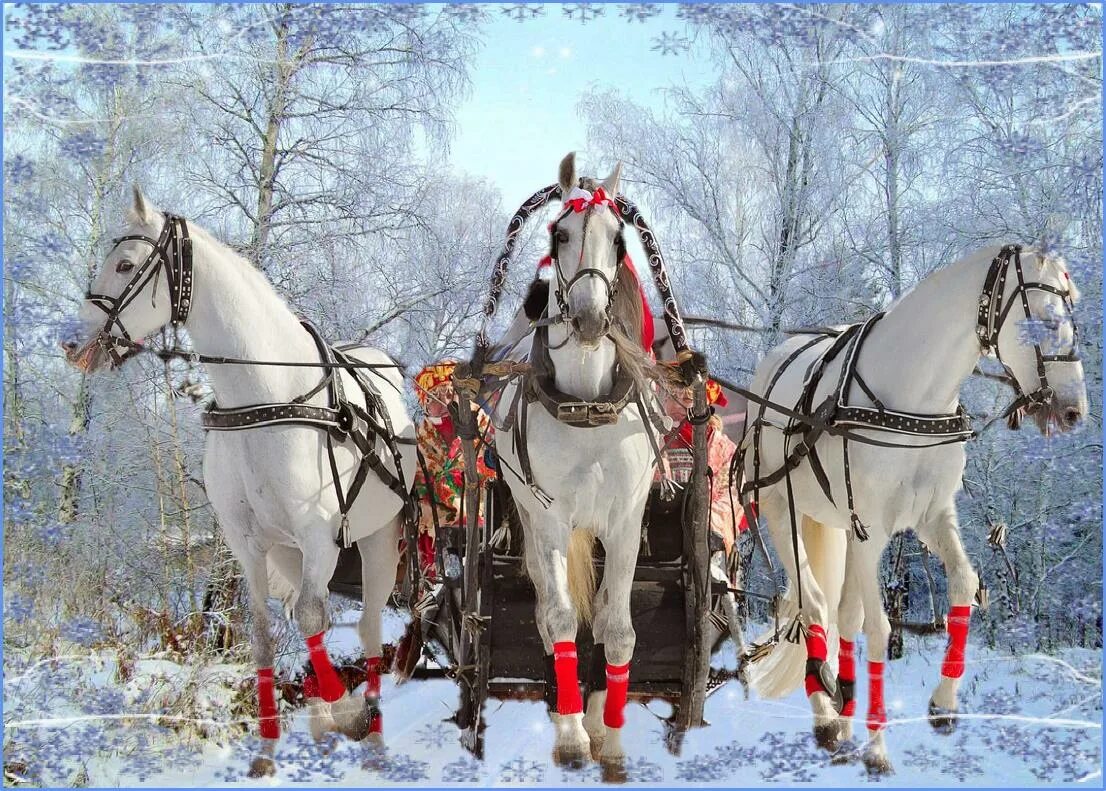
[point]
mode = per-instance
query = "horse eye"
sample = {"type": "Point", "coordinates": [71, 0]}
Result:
{"type": "Point", "coordinates": [124, 266]}
{"type": "Point", "coordinates": [562, 236]}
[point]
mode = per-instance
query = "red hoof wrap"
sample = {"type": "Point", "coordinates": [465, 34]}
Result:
{"type": "Point", "coordinates": [330, 686]}
{"type": "Point", "coordinates": [958, 621]}
{"type": "Point", "coordinates": [568, 681]}
{"type": "Point", "coordinates": [877, 714]}
{"type": "Point", "coordinates": [618, 687]}
{"type": "Point", "coordinates": [846, 674]}
{"type": "Point", "coordinates": [266, 704]}
{"type": "Point", "coordinates": [816, 650]}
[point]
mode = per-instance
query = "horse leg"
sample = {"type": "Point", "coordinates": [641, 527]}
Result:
{"type": "Point", "coordinates": [379, 556]}
{"type": "Point", "coordinates": [597, 674]}
{"type": "Point", "coordinates": [814, 611]}
{"type": "Point", "coordinates": [261, 645]}
{"type": "Point", "coordinates": [285, 570]}
{"type": "Point", "coordinates": [615, 630]}
{"type": "Point", "coordinates": [942, 535]}
{"type": "Point", "coordinates": [314, 621]}
{"type": "Point", "coordinates": [850, 619]}
{"type": "Point", "coordinates": [728, 601]}
{"type": "Point", "coordinates": [547, 562]}
{"type": "Point", "coordinates": [877, 630]}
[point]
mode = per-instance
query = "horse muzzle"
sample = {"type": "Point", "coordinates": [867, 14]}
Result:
{"type": "Point", "coordinates": [590, 327]}
{"type": "Point", "coordinates": [93, 354]}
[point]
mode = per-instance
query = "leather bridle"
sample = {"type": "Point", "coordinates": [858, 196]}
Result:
{"type": "Point", "coordinates": [171, 252]}
{"type": "Point", "coordinates": [564, 284]}
{"type": "Point", "coordinates": [994, 308]}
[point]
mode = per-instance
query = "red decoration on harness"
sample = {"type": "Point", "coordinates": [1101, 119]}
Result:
{"type": "Point", "coordinates": [266, 704]}
{"type": "Point", "coordinates": [598, 198]}
{"type": "Point", "coordinates": [330, 686]}
{"type": "Point", "coordinates": [958, 622]}
{"type": "Point", "coordinates": [877, 715]}
{"type": "Point", "coordinates": [743, 522]}
{"type": "Point", "coordinates": [815, 649]}
{"type": "Point", "coordinates": [568, 683]}
{"type": "Point", "coordinates": [618, 688]}
{"type": "Point", "coordinates": [846, 661]}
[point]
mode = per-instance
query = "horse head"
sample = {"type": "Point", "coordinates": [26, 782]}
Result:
{"type": "Point", "coordinates": [1040, 348]}
{"type": "Point", "coordinates": [144, 284]}
{"type": "Point", "coordinates": [587, 249]}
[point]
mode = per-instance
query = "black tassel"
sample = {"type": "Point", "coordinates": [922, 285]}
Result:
{"type": "Point", "coordinates": [796, 631]}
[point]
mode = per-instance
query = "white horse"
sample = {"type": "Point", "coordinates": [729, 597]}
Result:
{"type": "Point", "coordinates": [914, 361]}
{"type": "Point", "coordinates": [589, 482]}
{"type": "Point", "coordinates": [271, 487]}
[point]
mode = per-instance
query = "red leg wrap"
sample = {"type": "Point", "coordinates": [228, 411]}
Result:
{"type": "Point", "coordinates": [815, 649]}
{"type": "Point", "coordinates": [618, 686]}
{"type": "Point", "coordinates": [846, 673]}
{"type": "Point", "coordinates": [374, 667]}
{"type": "Point", "coordinates": [877, 714]}
{"type": "Point", "coordinates": [266, 704]}
{"type": "Point", "coordinates": [330, 686]}
{"type": "Point", "coordinates": [568, 682]}
{"type": "Point", "coordinates": [958, 621]}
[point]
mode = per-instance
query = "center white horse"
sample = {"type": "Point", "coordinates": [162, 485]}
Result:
{"type": "Point", "coordinates": [588, 482]}
{"type": "Point", "coordinates": [272, 487]}
{"type": "Point", "coordinates": [913, 363]}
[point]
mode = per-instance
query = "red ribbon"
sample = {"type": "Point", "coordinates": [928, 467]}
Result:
{"type": "Point", "coordinates": [598, 198]}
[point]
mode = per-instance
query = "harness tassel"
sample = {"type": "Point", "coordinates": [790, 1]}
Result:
{"type": "Point", "coordinates": [343, 532]}
{"type": "Point", "coordinates": [859, 530]}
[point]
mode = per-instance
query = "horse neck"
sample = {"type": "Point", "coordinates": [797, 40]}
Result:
{"type": "Point", "coordinates": [587, 374]}
{"type": "Point", "coordinates": [237, 313]}
{"type": "Point", "coordinates": [926, 346]}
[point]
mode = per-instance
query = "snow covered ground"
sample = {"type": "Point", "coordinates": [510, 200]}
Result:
{"type": "Point", "coordinates": [1028, 720]}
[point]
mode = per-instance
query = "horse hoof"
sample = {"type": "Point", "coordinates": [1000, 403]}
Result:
{"type": "Point", "coordinates": [570, 757]}
{"type": "Point", "coordinates": [262, 766]}
{"type": "Point", "coordinates": [613, 770]}
{"type": "Point", "coordinates": [596, 745]}
{"type": "Point", "coordinates": [825, 736]}
{"type": "Point", "coordinates": [846, 753]}
{"type": "Point", "coordinates": [943, 720]}
{"type": "Point", "coordinates": [878, 765]}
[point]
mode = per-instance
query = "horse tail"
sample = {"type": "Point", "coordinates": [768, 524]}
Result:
{"type": "Point", "coordinates": [783, 669]}
{"type": "Point", "coordinates": [581, 573]}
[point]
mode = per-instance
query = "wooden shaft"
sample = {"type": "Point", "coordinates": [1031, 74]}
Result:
{"type": "Point", "coordinates": [696, 573]}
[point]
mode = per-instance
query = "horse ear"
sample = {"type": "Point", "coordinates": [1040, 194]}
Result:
{"type": "Point", "coordinates": [610, 183]}
{"type": "Point", "coordinates": [140, 211]}
{"type": "Point", "coordinates": [567, 174]}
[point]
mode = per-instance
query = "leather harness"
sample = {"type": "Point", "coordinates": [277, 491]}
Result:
{"type": "Point", "coordinates": [367, 426]}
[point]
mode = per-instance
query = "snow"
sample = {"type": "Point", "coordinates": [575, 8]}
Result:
{"type": "Point", "coordinates": [1027, 720]}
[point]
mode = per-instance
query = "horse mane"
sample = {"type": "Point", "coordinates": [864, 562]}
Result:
{"type": "Point", "coordinates": [627, 315]}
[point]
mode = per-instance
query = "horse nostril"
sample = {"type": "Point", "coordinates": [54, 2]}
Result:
{"type": "Point", "coordinates": [70, 346]}
{"type": "Point", "coordinates": [1071, 416]}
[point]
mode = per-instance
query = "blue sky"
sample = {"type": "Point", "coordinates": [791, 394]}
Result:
{"type": "Point", "coordinates": [521, 116]}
